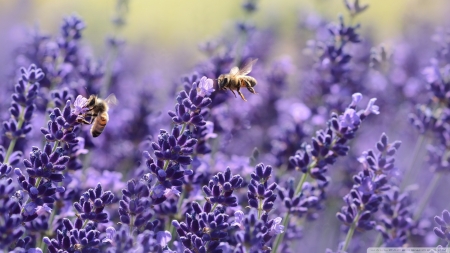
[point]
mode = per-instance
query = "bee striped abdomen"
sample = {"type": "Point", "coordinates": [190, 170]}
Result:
{"type": "Point", "coordinates": [99, 124]}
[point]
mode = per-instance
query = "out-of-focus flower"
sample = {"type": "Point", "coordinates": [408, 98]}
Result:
{"type": "Point", "coordinates": [443, 231]}
{"type": "Point", "coordinates": [163, 238]}
{"type": "Point", "coordinates": [172, 192]}
{"type": "Point", "coordinates": [276, 227]}
{"type": "Point", "coordinates": [40, 210]}
{"type": "Point", "coordinates": [238, 219]}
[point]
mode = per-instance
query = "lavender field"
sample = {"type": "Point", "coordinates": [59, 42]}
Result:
{"type": "Point", "coordinates": [341, 141]}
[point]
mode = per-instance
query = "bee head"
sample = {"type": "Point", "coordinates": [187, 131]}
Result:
{"type": "Point", "coordinates": [222, 81]}
{"type": "Point", "coordinates": [92, 101]}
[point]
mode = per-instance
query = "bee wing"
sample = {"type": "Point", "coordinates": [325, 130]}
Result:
{"type": "Point", "coordinates": [247, 68]}
{"type": "Point", "coordinates": [111, 100]}
{"type": "Point", "coordinates": [234, 71]}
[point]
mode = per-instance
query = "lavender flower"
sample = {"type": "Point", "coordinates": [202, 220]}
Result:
{"type": "Point", "coordinates": [92, 204]}
{"type": "Point", "coordinates": [366, 195]}
{"type": "Point", "coordinates": [396, 220]}
{"type": "Point", "coordinates": [220, 189]}
{"type": "Point", "coordinates": [203, 229]}
{"type": "Point", "coordinates": [75, 237]}
{"type": "Point", "coordinates": [260, 194]}
{"type": "Point", "coordinates": [22, 107]}
{"type": "Point", "coordinates": [443, 230]}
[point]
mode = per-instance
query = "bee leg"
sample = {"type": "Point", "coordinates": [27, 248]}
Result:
{"type": "Point", "coordinates": [233, 93]}
{"type": "Point", "coordinates": [240, 93]}
{"type": "Point", "coordinates": [83, 121]}
{"type": "Point", "coordinates": [249, 87]}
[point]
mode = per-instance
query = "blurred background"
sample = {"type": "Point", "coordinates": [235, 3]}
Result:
{"type": "Point", "coordinates": [171, 27]}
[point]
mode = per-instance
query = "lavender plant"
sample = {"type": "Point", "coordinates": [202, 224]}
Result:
{"type": "Point", "coordinates": [221, 174]}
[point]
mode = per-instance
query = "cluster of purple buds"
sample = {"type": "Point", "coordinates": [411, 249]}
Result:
{"type": "Point", "coordinates": [434, 115]}
{"type": "Point", "coordinates": [62, 126]}
{"type": "Point", "coordinates": [438, 158]}
{"type": "Point", "coordinates": [43, 168]}
{"type": "Point", "coordinates": [443, 231]}
{"type": "Point", "coordinates": [363, 200]}
{"type": "Point", "coordinates": [220, 188]}
{"type": "Point", "coordinates": [165, 177]}
{"type": "Point", "coordinates": [76, 237]}
{"type": "Point", "coordinates": [92, 205]}
{"type": "Point", "coordinates": [354, 7]}
{"type": "Point", "coordinates": [260, 194]}
{"type": "Point", "coordinates": [397, 219]}
{"type": "Point", "coordinates": [202, 134]}
{"type": "Point", "coordinates": [371, 185]}
{"type": "Point", "coordinates": [47, 164]}
{"type": "Point", "coordinates": [334, 55]}
{"type": "Point", "coordinates": [147, 241]}
{"type": "Point", "coordinates": [188, 110]}
{"type": "Point", "coordinates": [60, 97]}
{"type": "Point", "coordinates": [301, 203]}
{"type": "Point", "coordinates": [331, 143]}
{"type": "Point", "coordinates": [59, 58]}
{"type": "Point", "coordinates": [255, 233]}
{"type": "Point", "coordinates": [23, 106]}
{"type": "Point", "coordinates": [203, 229]}
{"type": "Point", "coordinates": [10, 229]}
{"type": "Point", "coordinates": [70, 35]}
{"type": "Point", "coordinates": [176, 147]}
{"type": "Point", "coordinates": [383, 162]}
{"type": "Point", "coordinates": [135, 207]}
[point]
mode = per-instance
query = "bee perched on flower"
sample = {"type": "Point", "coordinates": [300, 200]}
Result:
{"type": "Point", "coordinates": [96, 109]}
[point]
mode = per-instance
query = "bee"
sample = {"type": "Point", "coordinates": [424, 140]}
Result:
{"type": "Point", "coordinates": [98, 113]}
{"type": "Point", "coordinates": [237, 79]}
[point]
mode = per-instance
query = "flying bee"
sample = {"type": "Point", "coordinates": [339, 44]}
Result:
{"type": "Point", "coordinates": [98, 113]}
{"type": "Point", "coordinates": [237, 79]}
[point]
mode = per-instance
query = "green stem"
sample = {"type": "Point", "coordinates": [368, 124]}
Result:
{"type": "Point", "coordinates": [426, 197]}
{"type": "Point", "coordinates": [13, 142]}
{"type": "Point", "coordinates": [179, 204]}
{"type": "Point", "coordinates": [378, 241]}
{"type": "Point", "coordinates": [85, 223]}
{"type": "Point", "coordinates": [259, 208]}
{"type": "Point", "coordinates": [35, 185]}
{"type": "Point", "coordinates": [55, 146]}
{"type": "Point", "coordinates": [183, 128]}
{"type": "Point", "coordinates": [300, 184]}
{"type": "Point", "coordinates": [214, 207]}
{"type": "Point", "coordinates": [166, 164]}
{"type": "Point", "coordinates": [410, 172]}
{"type": "Point", "coordinates": [351, 231]}
{"type": "Point", "coordinates": [131, 224]}
{"type": "Point", "coordinates": [280, 237]}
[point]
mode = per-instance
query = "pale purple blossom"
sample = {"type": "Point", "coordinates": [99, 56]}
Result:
{"type": "Point", "coordinates": [372, 108]}
{"type": "Point", "coordinates": [238, 219]}
{"type": "Point", "coordinates": [210, 130]}
{"type": "Point", "coordinates": [163, 238]}
{"type": "Point", "coordinates": [356, 97]}
{"type": "Point", "coordinates": [40, 210]}
{"type": "Point", "coordinates": [79, 106]}
{"type": "Point", "coordinates": [80, 147]}
{"type": "Point", "coordinates": [171, 192]}
{"type": "Point", "coordinates": [205, 86]}
{"type": "Point", "coordinates": [276, 228]}
{"type": "Point", "coordinates": [159, 190]}
{"type": "Point", "coordinates": [349, 119]}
